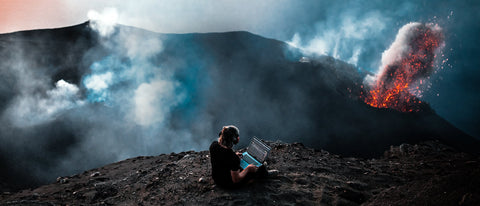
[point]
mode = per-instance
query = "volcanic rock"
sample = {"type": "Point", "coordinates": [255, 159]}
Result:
{"type": "Point", "coordinates": [429, 173]}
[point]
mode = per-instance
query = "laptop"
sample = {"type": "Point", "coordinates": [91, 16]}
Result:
{"type": "Point", "coordinates": [256, 153]}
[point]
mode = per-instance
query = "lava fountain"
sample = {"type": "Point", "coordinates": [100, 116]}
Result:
{"type": "Point", "coordinates": [405, 66]}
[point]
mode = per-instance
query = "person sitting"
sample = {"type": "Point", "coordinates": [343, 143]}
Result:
{"type": "Point", "coordinates": [226, 170]}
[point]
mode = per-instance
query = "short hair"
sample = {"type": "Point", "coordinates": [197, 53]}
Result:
{"type": "Point", "coordinates": [228, 135]}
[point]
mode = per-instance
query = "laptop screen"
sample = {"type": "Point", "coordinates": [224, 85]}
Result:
{"type": "Point", "coordinates": [258, 149]}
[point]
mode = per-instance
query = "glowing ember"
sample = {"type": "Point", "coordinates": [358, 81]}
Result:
{"type": "Point", "coordinates": [405, 66]}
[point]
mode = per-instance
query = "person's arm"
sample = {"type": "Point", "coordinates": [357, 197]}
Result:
{"type": "Point", "coordinates": [239, 176]}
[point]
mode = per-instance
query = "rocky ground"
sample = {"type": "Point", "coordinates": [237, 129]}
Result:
{"type": "Point", "coordinates": [424, 174]}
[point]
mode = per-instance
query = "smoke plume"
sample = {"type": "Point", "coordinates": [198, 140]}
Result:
{"type": "Point", "coordinates": [406, 66]}
{"type": "Point", "coordinates": [105, 103]}
{"type": "Point", "coordinates": [103, 22]}
{"type": "Point", "coordinates": [344, 36]}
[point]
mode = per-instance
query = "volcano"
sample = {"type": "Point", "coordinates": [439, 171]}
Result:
{"type": "Point", "coordinates": [263, 86]}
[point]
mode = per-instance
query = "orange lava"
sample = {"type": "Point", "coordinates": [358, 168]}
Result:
{"type": "Point", "coordinates": [394, 85]}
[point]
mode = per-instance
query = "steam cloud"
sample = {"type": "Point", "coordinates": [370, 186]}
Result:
{"type": "Point", "coordinates": [118, 109]}
{"type": "Point", "coordinates": [103, 22]}
{"type": "Point", "coordinates": [344, 36]}
{"type": "Point", "coordinates": [141, 93]}
{"type": "Point", "coordinates": [32, 108]}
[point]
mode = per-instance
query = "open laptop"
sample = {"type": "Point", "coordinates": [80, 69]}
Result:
{"type": "Point", "coordinates": [256, 153]}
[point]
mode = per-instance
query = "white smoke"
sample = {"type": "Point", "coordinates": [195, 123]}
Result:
{"type": "Point", "coordinates": [98, 84]}
{"type": "Point", "coordinates": [296, 41]}
{"type": "Point", "coordinates": [397, 50]}
{"type": "Point", "coordinates": [138, 47]}
{"type": "Point", "coordinates": [402, 47]}
{"type": "Point", "coordinates": [31, 109]}
{"type": "Point", "coordinates": [343, 36]}
{"type": "Point", "coordinates": [153, 102]}
{"type": "Point", "coordinates": [141, 94]}
{"type": "Point", "coordinates": [103, 22]}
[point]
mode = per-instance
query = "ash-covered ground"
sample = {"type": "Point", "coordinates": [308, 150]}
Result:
{"type": "Point", "coordinates": [428, 173]}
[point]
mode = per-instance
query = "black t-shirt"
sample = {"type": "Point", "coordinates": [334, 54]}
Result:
{"type": "Point", "coordinates": [223, 161]}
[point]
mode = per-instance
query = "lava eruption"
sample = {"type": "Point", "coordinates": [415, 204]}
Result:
{"type": "Point", "coordinates": [405, 66]}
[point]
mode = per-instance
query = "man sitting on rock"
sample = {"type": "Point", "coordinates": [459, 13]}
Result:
{"type": "Point", "coordinates": [226, 170]}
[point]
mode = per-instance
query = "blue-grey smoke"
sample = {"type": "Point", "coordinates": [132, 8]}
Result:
{"type": "Point", "coordinates": [142, 94]}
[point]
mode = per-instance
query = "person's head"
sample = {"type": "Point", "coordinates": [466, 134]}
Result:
{"type": "Point", "coordinates": [229, 135]}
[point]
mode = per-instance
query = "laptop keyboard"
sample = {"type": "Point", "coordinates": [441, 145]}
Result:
{"type": "Point", "coordinates": [243, 164]}
{"type": "Point", "coordinates": [249, 159]}
{"type": "Point", "coordinates": [246, 160]}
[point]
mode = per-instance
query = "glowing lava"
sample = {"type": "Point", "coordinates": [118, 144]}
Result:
{"type": "Point", "coordinates": [405, 66]}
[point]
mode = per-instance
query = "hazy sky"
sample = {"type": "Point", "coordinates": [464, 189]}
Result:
{"type": "Point", "coordinates": [180, 16]}
{"type": "Point", "coordinates": [351, 30]}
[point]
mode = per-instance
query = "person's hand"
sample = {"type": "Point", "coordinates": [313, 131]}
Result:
{"type": "Point", "coordinates": [251, 168]}
{"type": "Point", "coordinates": [240, 155]}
